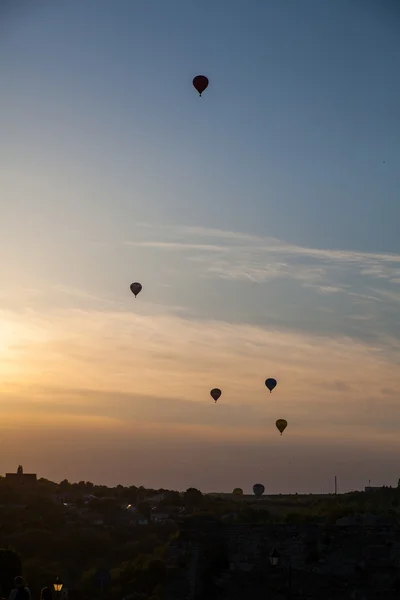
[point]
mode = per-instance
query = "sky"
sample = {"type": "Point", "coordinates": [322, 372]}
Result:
{"type": "Point", "coordinates": [262, 220]}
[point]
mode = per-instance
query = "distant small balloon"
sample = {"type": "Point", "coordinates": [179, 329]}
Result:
{"type": "Point", "coordinates": [281, 425]}
{"type": "Point", "coordinates": [237, 492]}
{"type": "Point", "coordinates": [136, 288]}
{"type": "Point", "coordinates": [258, 489]}
{"type": "Point", "coordinates": [200, 83]}
{"type": "Point", "coordinates": [271, 383]}
{"type": "Point", "coordinates": [215, 393]}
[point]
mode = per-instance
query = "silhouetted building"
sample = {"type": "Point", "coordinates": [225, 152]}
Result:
{"type": "Point", "coordinates": [21, 478]}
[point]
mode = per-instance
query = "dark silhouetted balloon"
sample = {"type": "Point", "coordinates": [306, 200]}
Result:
{"type": "Point", "coordinates": [281, 425]}
{"type": "Point", "coordinates": [270, 383]}
{"type": "Point", "coordinates": [258, 489]}
{"type": "Point", "coordinates": [200, 83]}
{"type": "Point", "coordinates": [215, 393]}
{"type": "Point", "coordinates": [237, 492]}
{"type": "Point", "coordinates": [136, 288]}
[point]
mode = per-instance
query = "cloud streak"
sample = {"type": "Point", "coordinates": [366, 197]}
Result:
{"type": "Point", "coordinates": [261, 259]}
{"type": "Point", "coordinates": [324, 291]}
{"type": "Point", "coordinates": [185, 232]}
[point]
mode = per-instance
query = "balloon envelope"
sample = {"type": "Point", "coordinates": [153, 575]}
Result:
{"type": "Point", "coordinates": [258, 489]}
{"type": "Point", "coordinates": [271, 383]}
{"type": "Point", "coordinates": [215, 393]}
{"type": "Point", "coordinates": [237, 492]}
{"type": "Point", "coordinates": [136, 288]}
{"type": "Point", "coordinates": [200, 83]}
{"type": "Point", "coordinates": [281, 425]}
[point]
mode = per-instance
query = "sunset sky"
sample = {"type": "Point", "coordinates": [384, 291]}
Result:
{"type": "Point", "coordinates": [261, 219]}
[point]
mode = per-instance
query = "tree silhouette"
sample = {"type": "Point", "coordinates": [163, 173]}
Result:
{"type": "Point", "coordinates": [172, 499]}
{"type": "Point", "coordinates": [10, 567]}
{"type": "Point", "coordinates": [65, 485]}
{"type": "Point", "coordinates": [193, 497]}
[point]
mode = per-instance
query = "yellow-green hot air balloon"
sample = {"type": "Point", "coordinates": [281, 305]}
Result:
{"type": "Point", "coordinates": [281, 425]}
{"type": "Point", "coordinates": [237, 492]}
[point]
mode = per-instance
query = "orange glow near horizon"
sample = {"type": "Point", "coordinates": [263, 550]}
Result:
{"type": "Point", "coordinates": [84, 366]}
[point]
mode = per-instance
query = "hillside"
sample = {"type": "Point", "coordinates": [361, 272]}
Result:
{"type": "Point", "coordinates": [75, 530]}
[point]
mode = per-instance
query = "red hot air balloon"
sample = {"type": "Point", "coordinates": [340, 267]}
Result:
{"type": "Point", "coordinates": [270, 383]}
{"type": "Point", "coordinates": [200, 83]}
{"type": "Point", "coordinates": [215, 394]}
{"type": "Point", "coordinates": [136, 288]}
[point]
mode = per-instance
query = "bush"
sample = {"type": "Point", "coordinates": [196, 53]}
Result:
{"type": "Point", "coordinates": [10, 567]}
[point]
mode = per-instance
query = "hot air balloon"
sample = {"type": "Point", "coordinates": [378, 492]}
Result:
{"type": "Point", "coordinates": [200, 83]}
{"type": "Point", "coordinates": [215, 393]}
{"type": "Point", "coordinates": [136, 288]}
{"type": "Point", "coordinates": [281, 425]}
{"type": "Point", "coordinates": [270, 383]}
{"type": "Point", "coordinates": [258, 489]}
{"type": "Point", "coordinates": [237, 492]}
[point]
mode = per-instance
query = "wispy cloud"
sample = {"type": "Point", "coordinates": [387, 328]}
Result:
{"type": "Point", "coordinates": [185, 232]}
{"type": "Point", "coordinates": [319, 290]}
{"type": "Point", "coordinates": [178, 246]}
{"type": "Point", "coordinates": [258, 259]}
